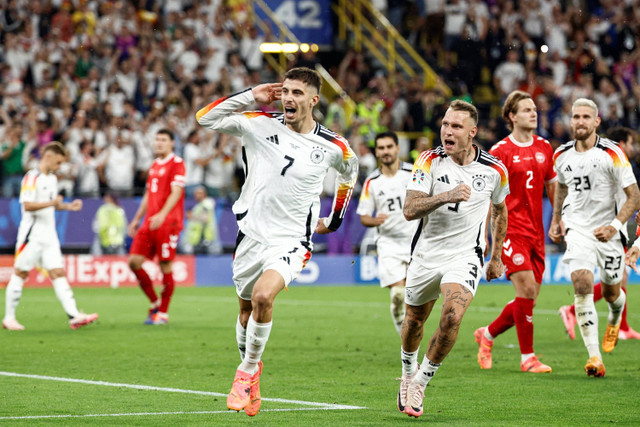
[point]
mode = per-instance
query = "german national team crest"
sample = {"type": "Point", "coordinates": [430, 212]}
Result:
{"type": "Point", "coordinates": [540, 157]}
{"type": "Point", "coordinates": [317, 155]}
{"type": "Point", "coordinates": [478, 182]}
{"type": "Point", "coordinates": [418, 176]}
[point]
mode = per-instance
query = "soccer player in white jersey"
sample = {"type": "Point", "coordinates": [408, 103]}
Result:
{"type": "Point", "coordinates": [383, 192]}
{"type": "Point", "coordinates": [37, 243]}
{"type": "Point", "coordinates": [587, 214]}
{"type": "Point", "coordinates": [286, 158]}
{"type": "Point", "coordinates": [450, 192]}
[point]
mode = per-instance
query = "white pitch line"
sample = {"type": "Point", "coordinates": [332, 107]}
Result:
{"type": "Point", "coordinates": [319, 405]}
{"type": "Point", "coordinates": [139, 414]}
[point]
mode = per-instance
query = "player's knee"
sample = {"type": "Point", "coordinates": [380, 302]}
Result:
{"type": "Point", "coordinates": [261, 300]}
{"type": "Point", "coordinates": [610, 293]}
{"type": "Point", "coordinates": [22, 274]}
{"type": "Point", "coordinates": [56, 273]}
{"type": "Point", "coordinates": [450, 322]}
{"type": "Point", "coordinates": [135, 263]}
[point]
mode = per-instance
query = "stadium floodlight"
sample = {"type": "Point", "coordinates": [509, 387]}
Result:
{"type": "Point", "coordinates": [279, 47]}
{"type": "Point", "coordinates": [544, 48]}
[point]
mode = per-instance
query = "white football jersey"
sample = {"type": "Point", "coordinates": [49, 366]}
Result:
{"type": "Point", "coordinates": [38, 225]}
{"type": "Point", "coordinates": [280, 199]}
{"type": "Point", "coordinates": [384, 194]}
{"type": "Point", "coordinates": [456, 229]}
{"type": "Point", "coordinates": [594, 179]}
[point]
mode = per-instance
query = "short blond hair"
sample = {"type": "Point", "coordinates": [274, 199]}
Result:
{"type": "Point", "coordinates": [584, 102]}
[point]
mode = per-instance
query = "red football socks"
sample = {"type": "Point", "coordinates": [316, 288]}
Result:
{"type": "Point", "coordinates": [523, 316]}
{"type": "Point", "coordinates": [146, 284]}
{"type": "Point", "coordinates": [504, 321]}
{"type": "Point", "coordinates": [169, 285]}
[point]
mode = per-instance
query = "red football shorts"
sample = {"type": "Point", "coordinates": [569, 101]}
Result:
{"type": "Point", "coordinates": [162, 242]}
{"type": "Point", "coordinates": [521, 254]}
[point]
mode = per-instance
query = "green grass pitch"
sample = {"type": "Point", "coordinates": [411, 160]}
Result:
{"type": "Point", "coordinates": [329, 346]}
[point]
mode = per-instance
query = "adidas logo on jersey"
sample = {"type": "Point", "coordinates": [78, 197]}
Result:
{"type": "Point", "coordinates": [471, 284]}
{"type": "Point", "coordinates": [274, 139]}
{"type": "Point", "coordinates": [567, 169]}
{"type": "Point", "coordinates": [444, 179]}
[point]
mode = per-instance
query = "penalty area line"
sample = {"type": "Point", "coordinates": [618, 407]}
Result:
{"type": "Point", "coordinates": [144, 414]}
{"type": "Point", "coordinates": [318, 405]}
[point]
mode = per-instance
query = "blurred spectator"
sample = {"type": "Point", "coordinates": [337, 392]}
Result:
{"type": "Point", "coordinates": [201, 232]}
{"type": "Point", "coordinates": [87, 181]}
{"type": "Point", "coordinates": [110, 226]}
{"type": "Point", "coordinates": [509, 74]}
{"type": "Point", "coordinates": [12, 154]}
{"type": "Point", "coordinates": [117, 165]}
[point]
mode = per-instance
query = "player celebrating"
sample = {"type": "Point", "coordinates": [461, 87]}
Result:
{"type": "Point", "coordinates": [383, 192]}
{"type": "Point", "coordinates": [286, 159]}
{"type": "Point", "coordinates": [624, 138]}
{"type": "Point", "coordinates": [451, 190]}
{"type": "Point", "coordinates": [590, 172]}
{"type": "Point", "coordinates": [37, 243]}
{"type": "Point", "coordinates": [529, 160]}
{"type": "Point", "coordinates": [163, 204]}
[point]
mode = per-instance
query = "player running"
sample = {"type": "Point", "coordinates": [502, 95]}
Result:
{"type": "Point", "coordinates": [591, 170]}
{"type": "Point", "coordinates": [286, 158]}
{"type": "Point", "coordinates": [383, 192]}
{"type": "Point", "coordinates": [451, 190]}
{"type": "Point", "coordinates": [529, 160]}
{"type": "Point", "coordinates": [624, 137]}
{"type": "Point", "coordinates": [37, 244]}
{"type": "Point", "coordinates": [163, 204]}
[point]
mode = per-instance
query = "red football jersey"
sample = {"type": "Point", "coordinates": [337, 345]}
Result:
{"type": "Point", "coordinates": [530, 166]}
{"type": "Point", "coordinates": [162, 175]}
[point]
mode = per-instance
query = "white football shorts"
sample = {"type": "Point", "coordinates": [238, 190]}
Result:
{"type": "Point", "coordinates": [423, 283]}
{"type": "Point", "coordinates": [393, 260]}
{"type": "Point", "coordinates": [585, 252]}
{"type": "Point", "coordinates": [252, 258]}
{"type": "Point", "coordinates": [46, 255]}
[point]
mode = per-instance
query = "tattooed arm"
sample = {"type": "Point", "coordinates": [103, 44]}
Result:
{"type": "Point", "coordinates": [498, 231]}
{"type": "Point", "coordinates": [556, 229]}
{"type": "Point", "coordinates": [418, 204]}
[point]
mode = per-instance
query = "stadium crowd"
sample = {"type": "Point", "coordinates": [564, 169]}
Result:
{"type": "Point", "coordinates": [103, 76]}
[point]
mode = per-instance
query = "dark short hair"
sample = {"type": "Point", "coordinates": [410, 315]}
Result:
{"type": "Point", "coordinates": [619, 134]}
{"type": "Point", "coordinates": [460, 105]}
{"type": "Point", "coordinates": [511, 105]}
{"type": "Point", "coordinates": [388, 134]}
{"type": "Point", "coordinates": [167, 132]}
{"type": "Point", "coordinates": [305, 75]}
{"type": "Point", "coordinates": [55, 147]}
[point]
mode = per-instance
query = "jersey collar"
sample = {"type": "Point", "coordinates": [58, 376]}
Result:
{"type": "Point", "coordinates": [166, 159]}
{"type": "Point", "coordinates": [520, 144]}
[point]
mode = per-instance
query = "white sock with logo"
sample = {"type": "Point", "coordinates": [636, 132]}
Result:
{"type": "Point", "coordinates": [65, 295]}
{"type": "Point", "coordinates": [12, 296]}
{"type": "Point", "coordinates": [587, 319]}
{"type": "Point", "coordinates": [427, 371]}
{"type": "Point", "coordinates": [616, 308]}
{"type": "Point", "coordinates": [241, 338]}
{"type": "Point", "coordinates": [257, 337]}
{"type": "Point", "coordinates": [409, 361]}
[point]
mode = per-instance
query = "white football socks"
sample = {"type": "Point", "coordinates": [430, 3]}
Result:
{"type": "Point", "coordinates": [587, 319]}
{"type": "Point", "coordinates": [257, 337]}
{"type": "Point", "coordinates": [409, 361]}
{"type": "Point", "coordinates": [616, 308]}
{"type": "Point", "coordinates": [65, 295]}
{"type": "Point", "coordinates": [426, 372]}
{"type": "Point", "coordinates": [241, 338]}
{"type": "Point", "coordinates": [397, 307]}
{"type": "Point", "coordinates": [12, 296]}
{"type": "Point", "coordinates": [487, 335]}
